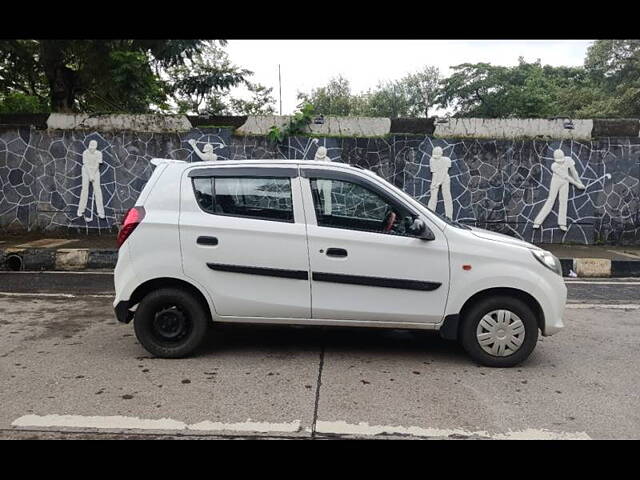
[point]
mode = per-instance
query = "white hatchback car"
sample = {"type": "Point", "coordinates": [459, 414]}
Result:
{"type": "Point", "coordinates": [314, 243]}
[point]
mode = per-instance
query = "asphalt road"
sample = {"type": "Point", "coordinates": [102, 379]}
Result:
{"type": "Point", "coordinates": [69, 370]}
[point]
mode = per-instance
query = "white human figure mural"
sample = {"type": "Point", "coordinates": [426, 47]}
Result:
{"type": "Point", "coordinates": [440, 179]}
{"type": "Point", "coordinates": [206, 154]}
{"type": "Point", "coordinates": [324, 185]}
{"type": "Point", "coordinates": [321, 155]}
{"type": "Point", "coordinates": [564, 173]}
{"type": "Point", "coordinates": [91, 160]}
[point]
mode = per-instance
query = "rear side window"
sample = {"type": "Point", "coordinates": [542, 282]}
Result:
{"type": "Point", "coordinates": [252, 197]}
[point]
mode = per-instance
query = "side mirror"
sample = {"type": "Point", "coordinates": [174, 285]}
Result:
{"type": "Point", "coordinates": [419, 229]}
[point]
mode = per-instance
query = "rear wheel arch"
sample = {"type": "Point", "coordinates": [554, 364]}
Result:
{"type": "Point", "coordinates": [169, 282]}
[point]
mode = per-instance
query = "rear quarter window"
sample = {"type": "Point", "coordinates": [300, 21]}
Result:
{"type": "Point", "coordinates": [251, 197]}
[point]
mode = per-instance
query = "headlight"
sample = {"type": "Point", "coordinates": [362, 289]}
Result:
{"type": "Point", "coordinates": [549, 260]}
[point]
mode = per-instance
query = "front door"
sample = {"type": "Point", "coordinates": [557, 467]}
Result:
{"type": "Point", "coordinates": [243, 237]}
{"type": "Point", "coordinates": [364, 264]}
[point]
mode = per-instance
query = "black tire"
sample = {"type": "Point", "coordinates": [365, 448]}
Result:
{"type": "Point", "coordinates": [474, 315]}
{"type": "Point", "coordinates": [170, 323]}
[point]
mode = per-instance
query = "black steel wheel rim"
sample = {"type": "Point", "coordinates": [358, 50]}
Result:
{"type": "Point", "coordinates": [170, 325]}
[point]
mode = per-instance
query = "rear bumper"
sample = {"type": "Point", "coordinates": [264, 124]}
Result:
{"type": "Point", "coordinates": [123, 314]}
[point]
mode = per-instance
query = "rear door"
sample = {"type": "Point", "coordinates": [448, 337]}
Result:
{"type": "Point", "coordinates": [365, 265]}
{"type": "Point", "coordinates": [243, 236]}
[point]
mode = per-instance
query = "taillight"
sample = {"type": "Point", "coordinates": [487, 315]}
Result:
{"type": "Point", "coordinates": [131, 220]}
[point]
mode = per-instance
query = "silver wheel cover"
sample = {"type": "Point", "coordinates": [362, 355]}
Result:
{"type": "Point", "coordinates": [500, 333]}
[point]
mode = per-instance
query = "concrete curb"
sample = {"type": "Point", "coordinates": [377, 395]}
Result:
{"type": "Point", "coordinates": [65, 259]}
{"type": "Point", "coordinates": [599, 267]}
{"type": "Point", "coordinates": [38, 259]}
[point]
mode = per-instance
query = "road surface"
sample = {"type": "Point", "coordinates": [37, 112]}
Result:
{"type": "Point", "coordinates": [69, 369]}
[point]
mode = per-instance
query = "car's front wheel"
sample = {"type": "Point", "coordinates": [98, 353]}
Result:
{"type": "Point", "coordinates": [170, 323]}
{"type": "Point", "coordinates": [499, 331]}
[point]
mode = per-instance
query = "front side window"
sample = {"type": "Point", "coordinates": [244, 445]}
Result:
{"type": "Point", "coordinates": [342, 204]}
{"type": "Point", "coordinates": [251, 197]}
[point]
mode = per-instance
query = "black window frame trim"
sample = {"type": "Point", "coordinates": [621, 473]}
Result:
{"type": "Point", "coordinates": [326, 174]}
{"type": "Point", "coordinates": [250, 217]}
{"type": "Point", "coordinates": [260, 172]}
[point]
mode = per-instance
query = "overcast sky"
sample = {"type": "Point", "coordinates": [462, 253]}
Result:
{"type": "Point", "coordinates": [307, 64]}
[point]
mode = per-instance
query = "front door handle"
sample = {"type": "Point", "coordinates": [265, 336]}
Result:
{"type": "Point", "coordinates": [336, 252]}
{"type": "Point", "coordinates": [207, 241]}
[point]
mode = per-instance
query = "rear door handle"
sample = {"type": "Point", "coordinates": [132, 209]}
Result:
{"type": "Point", "coordinates": [207, 240]}
{"type": "Point", "coordinates": [336, 252]}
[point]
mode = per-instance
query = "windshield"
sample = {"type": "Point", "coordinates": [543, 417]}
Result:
{"type": "Point", "coordinates": [448, 221]}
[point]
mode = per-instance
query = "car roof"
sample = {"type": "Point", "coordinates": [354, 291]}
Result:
{"type": "Point", "coordinates": [259, 162]}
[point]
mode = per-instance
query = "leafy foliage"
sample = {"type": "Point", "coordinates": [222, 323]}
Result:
{"type": "Point", "coordinates": [196, 76]}
{"type": "Point", "coordinates": [111, 75]}
{"type": "Point", "coordinates": [614, 68]}
{"type": "Point", "coordinates": [297, 124]}
{"type": "Point", "coordinates": [411, 96]}
{"type": "Point", "coordinates": [524, 91]}
{"type": "Point", "coordinates": [335, 98]}
{"type": "Point", "coordinates": [199, 83]}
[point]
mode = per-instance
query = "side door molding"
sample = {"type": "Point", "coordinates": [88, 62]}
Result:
{"type": "Point", "coordinates": [405, 284]}
{"type": "Point", "coordinates": [264, 271]}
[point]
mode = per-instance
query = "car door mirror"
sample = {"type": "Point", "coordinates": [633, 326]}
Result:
{"type": "Point", "coordinates": [419, 229]}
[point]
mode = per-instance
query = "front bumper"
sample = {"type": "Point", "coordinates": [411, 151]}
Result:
{"type": "Point", "coordinates": [123, 314]}
{"type": "Point", "coordinates": [553, 303]}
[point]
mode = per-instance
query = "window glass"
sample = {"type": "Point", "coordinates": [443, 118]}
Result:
{"type": "Point", "coordinates": [348, 205]}
{"type": "Point", "coordinates": [253, 197]}
{"type": "Point", "coordinates": [203, 190]}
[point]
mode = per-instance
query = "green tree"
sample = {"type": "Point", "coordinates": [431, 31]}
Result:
{"type": "Point", "coordinates": [614, 68]}
{"type": "Point", "coordinates": [105, 75]}
{"type": "Point", "coordinates": [527, 90]}
{"type": "Point", "coordinates": [260, 102]}
{"type": "Point", "coordinates": [23, 84]}
{"type": "Point", "coordinates": [200, 84]}
{"type": "Point", "coordinates": [421, 89]}
{"type": "Point", "coordinates": [333, 99]}
{"type": "Point", "coordinates": [388, 99]}
{"type": "Point", "coordinates": [411, 96]}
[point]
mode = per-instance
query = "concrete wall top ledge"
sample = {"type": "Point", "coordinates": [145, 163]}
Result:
{"type": "Point", "coordinates": [510, 128]}
{"type": "Point", "coordinates": [107, 123]}
{"type": "Point", "coordinates": [332, 126]}
{"type": "Point", "coordinates": [482, 128]}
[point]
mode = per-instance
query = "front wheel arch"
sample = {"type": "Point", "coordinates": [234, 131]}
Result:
{"type": "Point", "coordinates": [521, 295]}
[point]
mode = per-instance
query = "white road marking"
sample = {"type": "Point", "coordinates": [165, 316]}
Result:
{"type": "Point", "coordinates": [600, 282]}
{"type": "Point", "coordinates": [55, 295]}
{"type": "Point", "coordinates": [364, 429]}
{"type": "Point", "coordinates": [608, 306]}
{"type": "Point", "coordinates": [47, 243]}
{"type": "Point", "coordinates": [626, 254]}
{"type": "Point", "coordinates": [118, 422]}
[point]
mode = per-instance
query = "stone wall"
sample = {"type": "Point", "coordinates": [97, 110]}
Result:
{"type": "Point", "coordinates": [495, 184]}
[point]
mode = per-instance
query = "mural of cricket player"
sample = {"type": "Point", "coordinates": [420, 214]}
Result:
{"type": "Point", "coordinates": [440, 180]}
{"type": "Point", "coordinates": [91, 160]}
{"type": "Point", "coordinates": [206, 154]}
{"type": "Point", "coordinates": [564, 173]}
{"type": "Point", "coordinates": [321, 155]}
{"type": "Point", "coordinates": [324, 185]}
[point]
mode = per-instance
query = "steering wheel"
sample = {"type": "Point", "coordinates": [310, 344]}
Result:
{"type": "Point", "coordinates": [389, 221]}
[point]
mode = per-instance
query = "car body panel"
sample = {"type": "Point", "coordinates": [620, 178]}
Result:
{"type": "Point", "coordinates": [158, 248]}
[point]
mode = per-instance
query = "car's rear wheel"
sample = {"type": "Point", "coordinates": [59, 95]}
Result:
{"type": "Point", "coordinates": [170, 323]}
{"type": "Point", "coordinates": [499, 331]}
